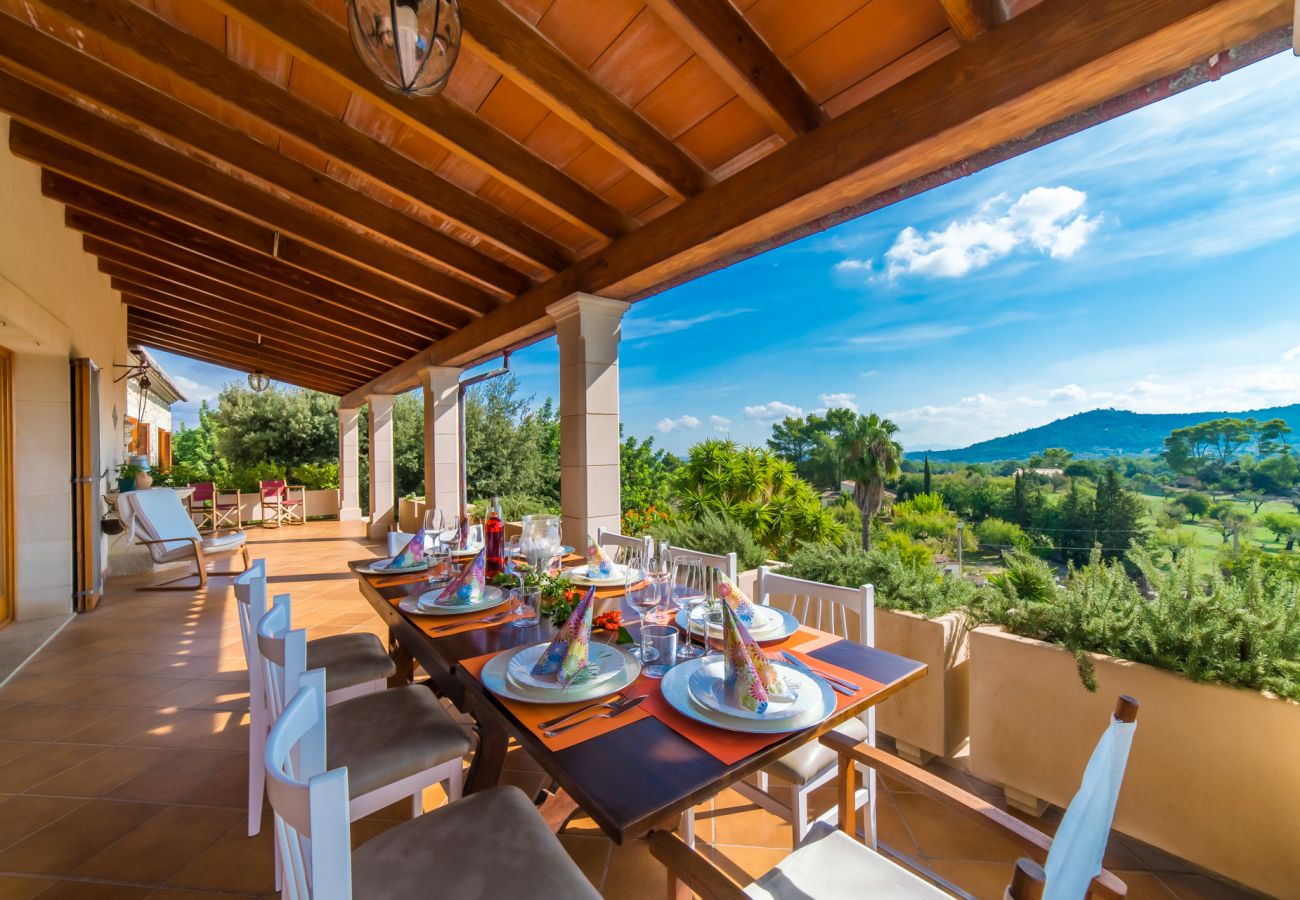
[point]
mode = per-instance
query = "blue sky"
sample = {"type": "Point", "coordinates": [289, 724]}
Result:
{"type": "Point", "coordinates": [1151, 263]}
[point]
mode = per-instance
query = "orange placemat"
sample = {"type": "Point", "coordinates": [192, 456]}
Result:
{"type": "Point", "coordinates": [530, 714]}
{"type": "Point", "coordinates": [431, 625]}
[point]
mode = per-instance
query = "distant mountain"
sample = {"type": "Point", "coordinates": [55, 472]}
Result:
{"type": "Point", "coordinates": [1101, 432]}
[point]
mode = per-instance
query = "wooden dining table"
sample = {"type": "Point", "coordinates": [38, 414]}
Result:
{"type": "Point", "coordinates": [630, 780]}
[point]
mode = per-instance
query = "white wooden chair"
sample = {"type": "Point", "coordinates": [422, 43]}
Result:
{"type": "Point", "coordinates": [715, 564]}
{"type": "Point", "coordinates": [355, 664]}
{"type": "Point", "coordinates": [831, 865]}
{"type": "Point", "coordinates": [158, 520]}
{"type": "Point", "coordinates": [395, 743]}
{"type": "Point", "coordinates": [492, 844]}
{"type": "Point", "coordinates": [625, 550]}
{"type": "Point", "coordinates": [827, 607]}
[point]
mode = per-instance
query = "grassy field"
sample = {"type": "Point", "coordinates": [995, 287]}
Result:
{"type": "Point", "coordinates": [1206, 531]}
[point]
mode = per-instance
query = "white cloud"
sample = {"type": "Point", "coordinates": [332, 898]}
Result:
{"type": "Point", "coordinates": [1067, 392]}
{"type": "Point", "coordinates": [838, 401]}
{"type": "Point", "coordinates": [771, 411]}
{"type": "Point", "coordinates": [1293, 353]}
{"type": "Point", "coordinates": [853, 266]}
{"type": "Point", "coordinates": [653, 326]}
{"type": "Point", "coordinates": [668, 426]}
{"type": "Point", "coordinates": [193, 390]}
{"type": "Point", "coordinates": [1049, 220]}
{"type": "Point", "coordinates": [720, 423]}
{"type": "Point", "coordinates": [909, 336]}
{"type": "Point", "coordinates": [872, 373]}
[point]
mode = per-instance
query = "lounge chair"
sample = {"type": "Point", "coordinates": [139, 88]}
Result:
{"type": "Point", "coordinates": [157, 519]}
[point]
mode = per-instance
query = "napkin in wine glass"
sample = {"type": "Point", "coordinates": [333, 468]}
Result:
{"type": "Point", "coordinates": [599, 565]}
{"type": "Point", "coordinates": [738, 600]}
{"type": "Point", "coordinates": [412, 554]}
{"type": "Point", "coordinates": [749, 676]}
{"type": "Point", "coordinates": [467, 587]}
{"type": "Point", "coordinates": [567, 653]}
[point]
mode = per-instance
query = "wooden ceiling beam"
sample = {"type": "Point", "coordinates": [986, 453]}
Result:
{"type": "Point", "coordinates": [63, 123]}
{"type": "Point", "coordinates": [1055, 60]}
{"type": "Point", "coordinates": [226, 313]}
{"type": "Point", "coordinates": [314, 38]}
{"type": "Point", "coordinates": [969, 19]}
{"type": "Point", "coordinates": [525, 56]}
{"type": "Point", "coordinates": [208, 69]}
{"type": "Point", "coordinates": [722, 37]}
{"type": "Point", "coordinates": [194, 322]}
{"type": "Point", "coordinates": [50, 59]}
{"type": "Point", "coordinates": [141, 327]}
{"type": "Point", "coordinates": [115, 260]}
{"type": "Point", "coordinates": [108, 241]}
{"type": "Point", "coordinates": [217, 235]}
{"type": "Point", "coordinates": [113, 219]}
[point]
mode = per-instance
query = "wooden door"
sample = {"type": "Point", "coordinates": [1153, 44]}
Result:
{"type": "Point", "coordinates": [87, 570]}
{"type": "Point", "coordinates": [7, 538]}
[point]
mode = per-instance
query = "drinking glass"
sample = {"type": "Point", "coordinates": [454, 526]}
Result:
{"type": "Point", "coordinates": [449, 531]}
{"type": "Point", "coordinates": [527, 606]}
{"type": "Point", "coordinates": [644, 600]}
{"type": "Point", "coordinates": [439, 556]}
{"type": "Point", "coordinates": [659, 642]}
{"type": "Point", "coordinates": [690, 592]}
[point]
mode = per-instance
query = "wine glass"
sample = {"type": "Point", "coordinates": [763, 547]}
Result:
{"type": "Point", "coordinates": [449, 532]}
{"type": "Point", "coordinates": [432, 525]}
{"type": "Point", "coordinates": [643, 598]}
{"type": "Point", "coordinates": [690, 590]}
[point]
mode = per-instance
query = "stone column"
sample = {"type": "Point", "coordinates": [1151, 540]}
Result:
{"type": "Point", "coordinates": [382, 488]}
{"type": "Point", "coordinates": [349, 465]}
{"type": "Point", "coordinates": [587, 328]}
{"type": "Point", "coordinates": [442, 438]}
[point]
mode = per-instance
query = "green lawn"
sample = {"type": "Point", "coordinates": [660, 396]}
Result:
{"type": "Point", "coordinates": [1207, 534]}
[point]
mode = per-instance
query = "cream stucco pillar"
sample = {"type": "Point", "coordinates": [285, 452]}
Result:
{"type": "Point", "coordinates": [442, 438]}
{"type": "Point", "coordinates": [587, 328]}
{"type": "Point", "coordinates": [382, 490]}
{"type": "Point", "coordinates": [349, 465]}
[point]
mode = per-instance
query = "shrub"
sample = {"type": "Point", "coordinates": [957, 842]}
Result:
{"type": "Point", "coordinates": [246, 478]}
{"type": "Point", "coordinates": [515, 506]}
{"type": "Point", "coordinates": [316, 476]}
{"type": "Point", "coordinates": [712, 533]}
{"type": "Point", "coordinates": [902, 585]}
{"type": "Point", "coordinates": [1242, 631]}
{"type": "Point", "coordinates": [642, 521]}
{"type": "Point", "coordinates": [1002, 535]}
{"type": "Point", "coordinates": [924, 518]}
{"type": "Point", "coordinates": [184, 473]}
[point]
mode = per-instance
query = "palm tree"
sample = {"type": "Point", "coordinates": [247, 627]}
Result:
{"type": "Point", "coordinates": [869, 456]}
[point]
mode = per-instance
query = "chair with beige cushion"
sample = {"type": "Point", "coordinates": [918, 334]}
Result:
{"type": "Point", "coordinates": [491, 844]}
{"type": "Point", "coordinates": [830, 864]}
{"type": "Point", "coordinates": [158, 520]}
{"type": "Point", "coordinates": [354, 664]}
{"type": "Point", "coordinates": [395, 743]}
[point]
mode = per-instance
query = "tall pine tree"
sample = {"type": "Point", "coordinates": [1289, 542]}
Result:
{"type": "Point", "coordinates": [925, 476]}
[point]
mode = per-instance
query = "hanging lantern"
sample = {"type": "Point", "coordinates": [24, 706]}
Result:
{"type": "Point", "coordinates": [410, 45]}
{"type": "Point", "coordinates": [257, 379]}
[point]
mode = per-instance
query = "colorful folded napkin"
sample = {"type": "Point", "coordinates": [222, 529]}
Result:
{"type": "Point", "coordinates": [467, 587]}
{"type": "Point", "coordinates": [412, 554]}
{"type": "Point", "coordinates": [599, 565]}
{"type": "Point", "coordinates": [749, 676]}
{"type": "Point", "coordinates": [734, 597]}
{"type": "Point", "coordinates": [567, 654]}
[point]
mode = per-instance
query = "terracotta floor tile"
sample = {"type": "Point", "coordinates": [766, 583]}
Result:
{"type": "Point", "coordinates": [85, 890]}
{"type": "Point", "coordinates": [178, 894]}
{"type": "Point", "coordinates": [203, 693]}
{"type": "Point", "coordinates": [102, 773]}
{"type": "Point", "coordinates": [1192, 886]}
{"type": "Point", "coordinates": [161, 847]}
{"type": "Point", "coordinates": [13, 887]}
{"type": "Point", "coordinates": [37, 722]}
{"type": "Point", "coordinates": [738, 821]}
{"type": "Point", "coordinates": [746, 864]}
{"type": "Point", "coordinates": [235, 862]}
{"type": "Point", "coordinates": [25, 815]}
{"type": "Point", "coordinates": [1144, 885]}
{"type": "Point", "coordinates": [174, 777]}
{"type": "Point", "coordinates": [945, 836]}
{"type": "Point", "coordinates": [25, 687]}
{"type": "Point", "coordinates": [982, 880]}
{"type": "Point", "coordinates": [43, 761]}
{"type": "Point", "coordinates": [633, 873]}
{"type": "Point", "coordinates": [590, 853]}
{"type": "Point", "coordinates": [59, 848]}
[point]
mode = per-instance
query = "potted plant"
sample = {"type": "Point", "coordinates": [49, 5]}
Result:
{"type": "Point", "coordinates": [127, 475]}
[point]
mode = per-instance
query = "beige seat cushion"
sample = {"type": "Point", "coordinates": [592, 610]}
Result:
{"type": "Point", "coordinates": [813, 758]}
{"type": "Point", "coordinates": [390, 735]}
{"type": "Point", "coordinates": [492, 844]}
{"type": "Point", "coordinates": [830, 864]}
{"type": "Point", "coordinates": [349, 659]}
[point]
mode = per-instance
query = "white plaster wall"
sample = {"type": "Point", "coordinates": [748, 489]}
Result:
{"type": "Point", "coordinates": [54, 306]}
{"type": "Point", "coordinates": [157, 415]}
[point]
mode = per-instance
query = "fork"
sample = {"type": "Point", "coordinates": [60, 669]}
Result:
{"type": "Point", "coordinates": [496, 617]}
{"type": "Point", "coordinates": [625, 705]}
{"type": "Point", "coordinates": [600, 704]}
{"type": "Point", "coordinates": [846, 687]}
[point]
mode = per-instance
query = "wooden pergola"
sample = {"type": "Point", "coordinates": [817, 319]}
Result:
{"type": "Point", "coordinates": [239, 173]}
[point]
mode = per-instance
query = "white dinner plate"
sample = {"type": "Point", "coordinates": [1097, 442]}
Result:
{"type": "Point", "coordinates": [471, 550]}
{"type": "Point", "coordinates": [676, 690]}
{"type": "Point", "coordinates": [781, 626]}
{"type": "Point", "coordinates": [578, 575]}
{"type": "Point", "coordinates": [492, 597]}
{"type": "Point", "coordinates": [380, 567]}
{"type": "Point", "coordinates": [708, 687]}
{"type": "Point", "coordinates": [609, 663]}
{"type": "Point", "coordinates": [495, 677]}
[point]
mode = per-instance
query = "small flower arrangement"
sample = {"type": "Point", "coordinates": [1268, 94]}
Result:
{"type": "Point", "coordinates": [640, 521]}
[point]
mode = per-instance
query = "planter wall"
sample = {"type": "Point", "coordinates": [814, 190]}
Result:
{"type": "Point", "coordinates": [410, 515]}
{"type": "Point", "coordinates": [1213, 776]}
{"type": "Point", "coordinates": [317, 503]}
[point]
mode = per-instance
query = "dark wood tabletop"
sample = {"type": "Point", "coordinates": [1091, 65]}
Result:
{"type": "Point", "coordinates": [629, 780]}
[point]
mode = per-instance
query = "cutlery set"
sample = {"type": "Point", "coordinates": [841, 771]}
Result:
{"type": "Point", "coordinates": [613, 709]}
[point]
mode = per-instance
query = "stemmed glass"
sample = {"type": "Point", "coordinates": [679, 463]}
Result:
{"type": "Point", "coordinates": [690, 588]}
{"type": "Point", "coordinates": [644, 599]}
{"type": "Point", "coordinates": [449, 531]}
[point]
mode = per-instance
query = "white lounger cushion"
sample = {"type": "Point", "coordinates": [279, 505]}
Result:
{"type": "Point", "coordinates": [160, 516]}
{"type": "Point", "coordinates": [831, 865]}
